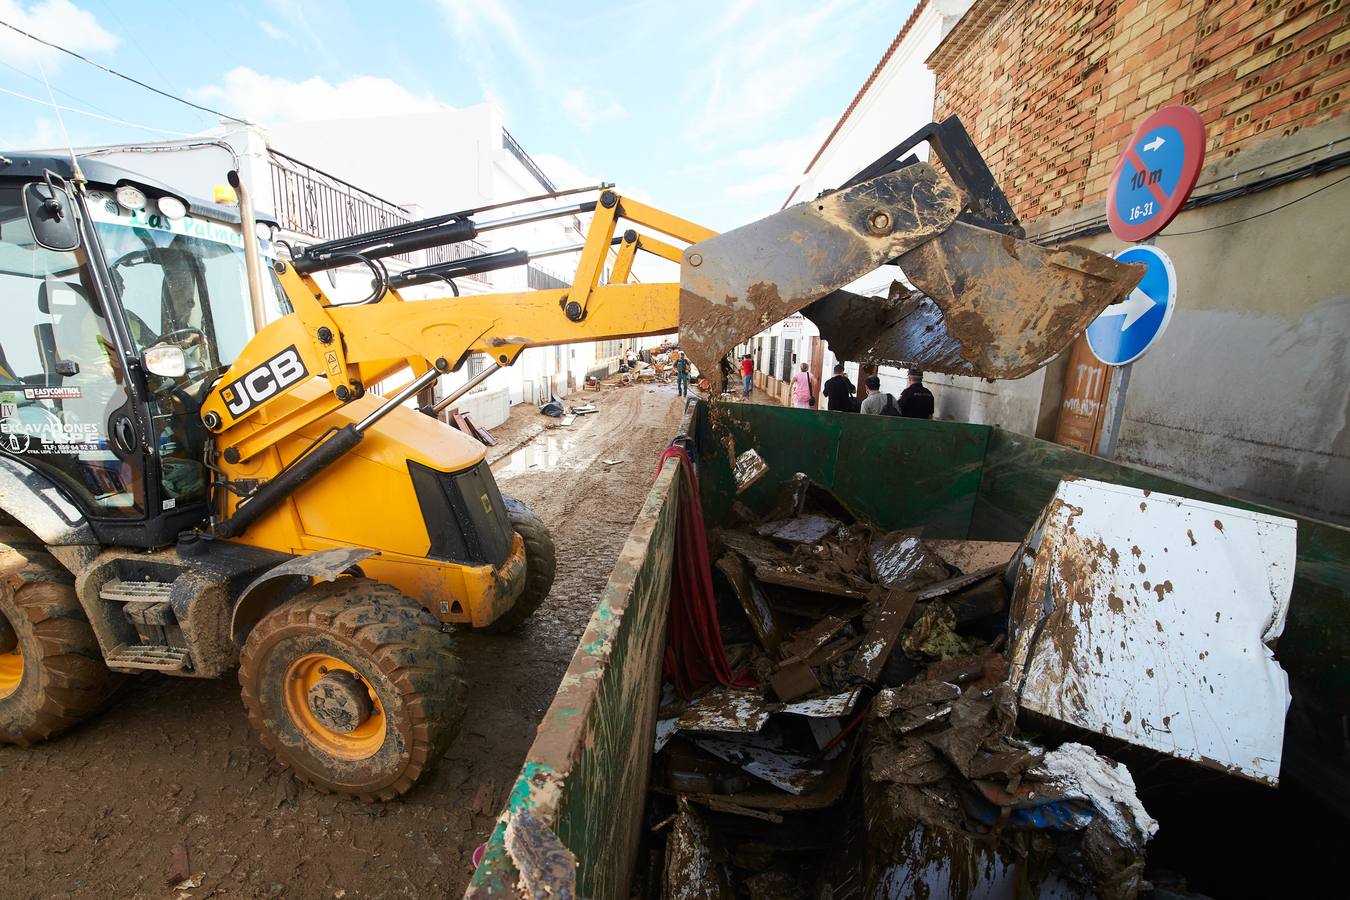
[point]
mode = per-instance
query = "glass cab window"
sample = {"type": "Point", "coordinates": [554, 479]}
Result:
{"type": "Point", "coordinates": [63, 387]}
{"type": "Point", "coordinates": [181, 281]}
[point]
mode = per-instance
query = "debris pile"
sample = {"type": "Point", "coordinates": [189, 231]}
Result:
{"type": "Point", "coordinates": [466, 424]}
{"type": "Point", "coordinates": [868, 744]}
{"type": "Point", "coordinates": [566, 414]}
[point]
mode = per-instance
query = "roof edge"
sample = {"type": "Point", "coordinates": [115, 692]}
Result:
{"type": "Point", "coordinates": [970, 26]}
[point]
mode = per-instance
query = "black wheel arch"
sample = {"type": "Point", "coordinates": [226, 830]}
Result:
{"type": "Point", "coordinates": [270, 589]}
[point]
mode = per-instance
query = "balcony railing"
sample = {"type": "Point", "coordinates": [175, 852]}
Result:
{"type": "Point", "coordinates": [311, 202]}
{"type": "Point", "coordinates": [527, 161]}
{"type": "Point", "coordinates": [538, 278]}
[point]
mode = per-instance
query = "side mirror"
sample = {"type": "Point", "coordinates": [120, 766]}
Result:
{"type": "Point", "coordinates": [50, 212]}
{"type": "Point", "coordinates": [165, 360]}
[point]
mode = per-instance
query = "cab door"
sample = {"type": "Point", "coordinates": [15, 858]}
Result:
{"type": "Point", "coordinates": [68, 407]}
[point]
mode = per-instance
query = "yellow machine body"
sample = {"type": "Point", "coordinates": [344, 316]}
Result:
{"type": "Point", "coordinates": [306, 374]}
{"type": "Point", "coordinates": [367, 500]}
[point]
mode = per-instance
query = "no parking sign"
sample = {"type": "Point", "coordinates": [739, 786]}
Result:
{"type": "Point", "coordinates": [1155, 173]}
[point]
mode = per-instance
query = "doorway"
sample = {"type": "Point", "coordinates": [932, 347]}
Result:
{"type": "Point", "coordinates": [1082, 408]}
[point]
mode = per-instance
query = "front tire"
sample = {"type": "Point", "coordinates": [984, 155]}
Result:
{"type": "Point", "coordinates": [354, 687]}
{"type": "Point", "coordinates": [541, 564]}
{"type": "Point", "coordinates": [52, 674]}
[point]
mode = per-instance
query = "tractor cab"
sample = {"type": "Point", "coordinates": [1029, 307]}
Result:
{"type": "Point", "coordinates": [122, 302]}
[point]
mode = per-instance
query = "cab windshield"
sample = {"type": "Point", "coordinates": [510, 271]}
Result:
{"type": "Point", "coordinates": [181, 281]}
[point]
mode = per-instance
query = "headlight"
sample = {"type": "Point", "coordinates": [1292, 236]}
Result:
{"type": "Point", "coordinates": [130, 197]}
{"type": "Point", "coordinates": [172, 207]}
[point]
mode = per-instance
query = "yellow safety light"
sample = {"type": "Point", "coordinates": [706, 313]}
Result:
{"type": "Point", "coordinates": [226, 194]}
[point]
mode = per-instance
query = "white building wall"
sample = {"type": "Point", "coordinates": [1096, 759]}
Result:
{"type": "Point", "coordinates": [897, 103]}
{"type": "Point", "coordinates": [447, 161]}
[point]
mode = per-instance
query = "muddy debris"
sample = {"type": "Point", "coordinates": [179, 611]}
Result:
{"type": "Point", "coordinates": [750, 468]}
{"type": "Point", "coordinates": [869, 744]}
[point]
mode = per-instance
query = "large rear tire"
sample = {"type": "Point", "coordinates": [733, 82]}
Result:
{"type": "Point", "coordinates": [52, 674]}
{"type": "Point", "coordinates": [354, 687]}
{"type": "Point", "coordinates": [541, 564]}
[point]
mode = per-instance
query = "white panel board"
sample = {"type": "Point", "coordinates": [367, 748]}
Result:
{"type": "Point", "coordinates": [1146, 617]}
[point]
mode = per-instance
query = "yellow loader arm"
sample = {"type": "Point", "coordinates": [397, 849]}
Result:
{"type": "Point", "coordinates": [995, 306]}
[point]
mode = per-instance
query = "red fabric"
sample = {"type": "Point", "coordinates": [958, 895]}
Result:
{"type": "Point", "coordinates": [747, 367]}
{"type": "Point", "coordinates": [694, 656]}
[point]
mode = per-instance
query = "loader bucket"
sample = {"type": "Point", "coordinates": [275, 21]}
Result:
{"type": "Point", "coordinates": [992, 306]}
{"type": "Point", "coordinates": [735, 284]}
{"type": "Point", "coordinates": [989, 303]}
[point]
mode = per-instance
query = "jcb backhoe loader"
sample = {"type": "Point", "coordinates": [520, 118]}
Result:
{"type": "Point", "coordinates": [178, 496]}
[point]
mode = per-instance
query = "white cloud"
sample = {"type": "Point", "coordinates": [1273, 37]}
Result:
{"type": "Point", "coordinates": [734, 14]}
{"type": "Point", "coordinates": [58, 21]}
{"type": "Point", "coordinates": [771, 168]}
{"type": "Point", "coordinates": [589, 108]}
{"type": "Point", "coordinates": [480, 27]}
{"type": "Point", "coordinates": [275, 33]}
{"type": "Point", "coordinates": [45, 134]}
{"type": "Point", "coordinates": [476, 23]}
{"type": "Point", "coordinates": [269, 100]}
{"type": "Point", "coordinates": [298, 17]}
{"type": "Point", "coordinates": [757, 74]}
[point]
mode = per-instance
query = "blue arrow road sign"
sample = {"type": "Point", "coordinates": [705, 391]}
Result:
{"type": "Point", "coordinates": [1126, 329]}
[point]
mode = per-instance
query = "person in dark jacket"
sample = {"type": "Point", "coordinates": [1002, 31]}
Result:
{"type": "Point", "coordinates": [840, 391]}
{"type": "Point", "coordinates": [916, 401]}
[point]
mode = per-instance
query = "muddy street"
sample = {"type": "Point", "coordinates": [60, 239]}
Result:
{"type": "Point", "coordinates": [170, 780]}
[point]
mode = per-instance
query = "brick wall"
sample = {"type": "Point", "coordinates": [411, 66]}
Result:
{"type": "Point", "coordinates": [1050, 89]}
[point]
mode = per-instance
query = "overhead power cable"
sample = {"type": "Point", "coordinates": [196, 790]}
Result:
{"type": "Point", "coordinates": [31, 77]}
{"type": "Point", "coordinates": [135, 81]}
{"type": "Point", "coordinates": [1260, 214]}
{"type": "Point", "coordinates": [92, 115]}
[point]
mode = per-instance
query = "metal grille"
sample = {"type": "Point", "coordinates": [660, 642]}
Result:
{"type": "Point", "coordinates": [311, 202]}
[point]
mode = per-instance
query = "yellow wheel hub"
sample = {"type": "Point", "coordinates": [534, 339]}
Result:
{"type": "Point", "coordinates": [11, 671]}
{"type": "Point", "coordinates": [334, 709]}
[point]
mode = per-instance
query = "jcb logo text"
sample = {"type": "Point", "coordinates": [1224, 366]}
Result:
{"type": "Point", "coordinates": [268, 380]}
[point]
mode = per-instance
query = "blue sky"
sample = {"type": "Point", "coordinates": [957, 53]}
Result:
{"type": "Point", "coordinates": [707, 109]}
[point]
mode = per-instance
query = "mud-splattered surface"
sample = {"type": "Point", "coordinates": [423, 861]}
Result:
{"type": "Point", "coordinates": [173, 766]}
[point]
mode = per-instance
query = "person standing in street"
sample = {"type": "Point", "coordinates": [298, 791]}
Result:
{"type": "Point", "coordinates": [748, 374]}
{"type": "Point", "coordinates": [803, 392]}
{"type": "Point", "coordinates": [682, 373]}
{"type": "Point", "coordinates": [839, 390]}
{"type": "Point", "coordinates": [916, 401]}
{"type": "Point", "coordinates": [877, 403]}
